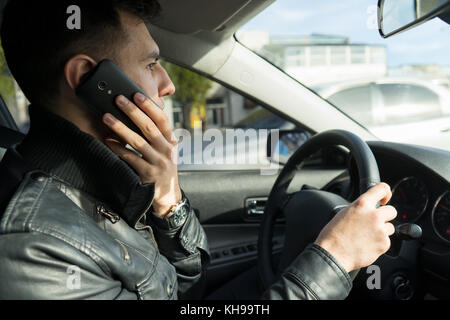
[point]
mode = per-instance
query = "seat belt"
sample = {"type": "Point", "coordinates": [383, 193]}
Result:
{"type": "Point", "coordinates": [9, 137]}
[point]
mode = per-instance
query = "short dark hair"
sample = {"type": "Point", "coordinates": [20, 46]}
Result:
{"type": "Point", "coordinates": [37, 42]}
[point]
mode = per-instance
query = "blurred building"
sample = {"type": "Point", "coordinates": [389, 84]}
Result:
{"type": "Point", "coordinates": [310, 59]}
{"type": "Point", "coordinates": [319, 58]}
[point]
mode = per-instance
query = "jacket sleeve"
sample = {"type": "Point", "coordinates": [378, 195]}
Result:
{"type": "Point", "coordinates": [314, 275]}
{"type": "Point", "coordinates": [35, 266]}
{"type": "Point", "coordinates": [187, 250]}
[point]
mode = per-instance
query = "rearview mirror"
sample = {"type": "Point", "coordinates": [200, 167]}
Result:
{"type": "Point", "coordinates": [395, 16]}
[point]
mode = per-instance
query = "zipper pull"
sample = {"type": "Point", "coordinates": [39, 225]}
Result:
{"type": "Point", "coordinates": [111, 216]}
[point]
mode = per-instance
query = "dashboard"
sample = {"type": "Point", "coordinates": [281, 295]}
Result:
{"type": "Point", "coordinates": [421, 198]}
{"type": "Point", "coordinates": [420, 188]}
{"type": "Point", "coordinates": [411, 198]}
{"type": "Point", "coordinates": [420, 181]}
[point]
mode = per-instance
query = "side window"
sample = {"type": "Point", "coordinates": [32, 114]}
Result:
{"type": "Point", "coordinates": [404, 103]}
{"type": "Point", "coordinates": [355, 102]}
{"type": "Point", "coordinates": [12, 96]}
{"type": "Point", "coordinates": [201, 103]}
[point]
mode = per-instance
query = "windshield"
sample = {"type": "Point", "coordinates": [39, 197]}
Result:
{"type": "Point", "coordinates": [398, 88]}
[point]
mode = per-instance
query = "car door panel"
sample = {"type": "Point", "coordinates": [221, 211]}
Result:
{"type": "Point", "coordinates": [233, 250]}
{"type": "Point", "coordinates": [219, 197]}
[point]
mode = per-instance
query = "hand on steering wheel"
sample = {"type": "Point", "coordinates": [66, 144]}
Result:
{"type": "Point", "coordinates": [359, 234]}
{"type": "Point", "coordinates": [349, 232]}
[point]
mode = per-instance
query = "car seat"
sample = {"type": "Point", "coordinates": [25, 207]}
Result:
{"type": "Point", "coordinates": [9, 132]}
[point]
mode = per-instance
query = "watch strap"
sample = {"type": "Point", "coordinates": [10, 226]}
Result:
{"type": "Point", "coordinates": [168, 222]}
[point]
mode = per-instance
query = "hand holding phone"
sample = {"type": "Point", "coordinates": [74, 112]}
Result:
{"type": "Point", "coordinates": [157, 164]}
{"type": "Point", "coordinates": [102, 85]}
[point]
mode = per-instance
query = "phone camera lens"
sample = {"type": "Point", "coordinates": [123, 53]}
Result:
{"type": "Point", "coordinates": [102, 85]}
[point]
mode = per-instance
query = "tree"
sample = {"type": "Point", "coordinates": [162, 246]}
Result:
{"type": "Point", "coordinates": [191, 90]}
{"type": "Point", "coordinates": [7, 90]}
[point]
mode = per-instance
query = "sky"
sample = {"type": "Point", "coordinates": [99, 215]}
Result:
{"type": "Point", "coordinates": [428, 43]}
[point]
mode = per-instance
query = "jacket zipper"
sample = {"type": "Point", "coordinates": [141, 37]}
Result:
{"type": "Point", "coordinates": [126, 254]}
{"type": "Point", "coordinates": [111, 216]}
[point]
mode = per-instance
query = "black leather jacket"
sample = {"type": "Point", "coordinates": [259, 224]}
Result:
{"type": "Point", "coordinates": [60, 239]}
{"type": "Point", "coordinates": [56, 243]}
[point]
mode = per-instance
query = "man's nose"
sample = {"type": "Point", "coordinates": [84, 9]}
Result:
{"type": "Point", "coordinates": [166, 87]}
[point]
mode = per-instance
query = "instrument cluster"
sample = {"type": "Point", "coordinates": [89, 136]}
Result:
{"type": "Point", "coordinates": [411, 198]}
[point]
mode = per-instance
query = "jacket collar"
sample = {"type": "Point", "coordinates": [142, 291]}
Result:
{"type": "Point", "coordinates": [61, 149]}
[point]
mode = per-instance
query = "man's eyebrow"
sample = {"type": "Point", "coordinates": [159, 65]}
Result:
{"type": "Point", "coordinates": [154, 55]}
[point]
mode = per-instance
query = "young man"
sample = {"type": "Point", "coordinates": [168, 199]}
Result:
{"type": "Point", "coordinates": [87, 217]}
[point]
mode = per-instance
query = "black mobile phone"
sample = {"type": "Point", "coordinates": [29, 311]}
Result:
{"type": "Point", "coordinates": [102, 85]}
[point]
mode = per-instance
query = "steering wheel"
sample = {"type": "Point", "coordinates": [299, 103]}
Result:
{"type": "Point", "coordinates": [308, 211]}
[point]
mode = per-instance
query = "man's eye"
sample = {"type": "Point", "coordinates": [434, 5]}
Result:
{"type": "Point", "coordinates": [151, 66]}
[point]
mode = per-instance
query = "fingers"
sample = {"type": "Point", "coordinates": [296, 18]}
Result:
{"type": "Point", "coordinates": [387, 213]}
{"type": "Point", "coordinates": [389, 229]}
{"type": "Point", "coordinates": [144, 123]}
{"type": "Point", "coordinates": [158, 116]}
{"type": "Point", "coordinates": [380, 193]}
{"type": "Point", "coordinates": [130, 137]}
{"type": "Point", "coordinates": [136, 162]}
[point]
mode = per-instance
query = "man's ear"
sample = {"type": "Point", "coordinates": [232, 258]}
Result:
{"type": "Point", "coordinates": [76, 67]}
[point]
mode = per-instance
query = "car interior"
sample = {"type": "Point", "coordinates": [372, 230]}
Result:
{"type": "Point", "coordinates": [200, 35]}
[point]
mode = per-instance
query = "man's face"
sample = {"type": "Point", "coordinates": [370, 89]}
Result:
{"type": "Point", "coordinates": [139, 59]}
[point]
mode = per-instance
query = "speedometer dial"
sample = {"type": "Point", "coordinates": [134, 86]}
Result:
{"type": "Point", "coordinates": [410, 198]}
{"type": "Point", "coordinates": [441, 216]}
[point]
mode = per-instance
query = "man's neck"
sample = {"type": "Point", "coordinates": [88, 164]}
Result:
{"type": "Point", "coordinates": [86, 120]}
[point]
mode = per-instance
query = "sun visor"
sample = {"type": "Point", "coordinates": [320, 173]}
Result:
{"type": "Point", "coordinates": [196, 15]}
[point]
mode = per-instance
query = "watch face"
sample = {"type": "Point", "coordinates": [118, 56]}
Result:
{"type": "Point", "coordinates": [180, 216]}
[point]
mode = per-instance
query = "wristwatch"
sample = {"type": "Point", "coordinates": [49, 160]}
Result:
{"type": "Point", "coordinates": [176, 216]}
